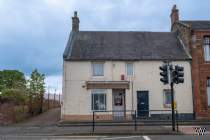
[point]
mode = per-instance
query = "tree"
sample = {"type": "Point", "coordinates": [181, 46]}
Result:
{"type": "Point", "coordinates": [13, 86]}
{"type": "Point", "coordinates": [12, 79]}
{"type": "Point", "coordinates": [36, 88]}
{"type": "Point", "coordinates": [16, 96]}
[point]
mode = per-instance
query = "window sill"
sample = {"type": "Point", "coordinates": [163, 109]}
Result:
{"type": "Point", "coordinates": [99, 110]}
{"type": "Point", "coordinates": [97, 76]}
{"type": "Point", "coordinates": [167, 105]}
{"type": "Point", "coordinates": [130, 76]}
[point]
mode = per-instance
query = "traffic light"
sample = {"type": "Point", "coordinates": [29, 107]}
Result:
{"type": "Point", "coordinates": [178, 75]}
{"type": "Point", "coordinates": [164, 74]}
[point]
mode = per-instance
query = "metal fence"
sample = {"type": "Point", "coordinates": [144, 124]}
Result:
{"type": "Point", "coordinates": [51, 101]}
{"type": "Point", "coordinates": [112, 117]}
{"type": "Point", "coordinates": [131, 118]}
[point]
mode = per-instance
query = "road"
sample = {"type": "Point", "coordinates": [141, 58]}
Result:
{"type": "Point", "coordinates": [43, 127]}
{"type": "Point", "coordinates": [153, 137]}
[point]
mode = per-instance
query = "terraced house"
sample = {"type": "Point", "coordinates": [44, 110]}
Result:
{"type": "Point", "coordinates": [110, 70]}
{"type": "Point", "coordinates": [196, 38]}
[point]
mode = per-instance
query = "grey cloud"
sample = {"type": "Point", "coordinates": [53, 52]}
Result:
{"type": "Point", "coordinates": [34, 33]}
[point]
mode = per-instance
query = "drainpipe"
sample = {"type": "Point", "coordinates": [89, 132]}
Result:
{"type": "Point", "coordinates": [193, 44]}
{"type": "Point", "coordinates": [63, 91]}
{"type": "Point", "coordinates": [112, 69]}
{"type": "Point", "coordinates": [193, 93]}
{"type": "Point", "coordinates": [132, 93]}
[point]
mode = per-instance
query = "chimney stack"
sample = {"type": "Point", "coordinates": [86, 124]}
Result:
{"type": "Point", "coordinates": [75, 22]}
{"type": "Point", "coordinates": [174, 15]}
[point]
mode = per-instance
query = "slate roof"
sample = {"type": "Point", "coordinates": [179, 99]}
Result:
{"type": "Point", "coordinates": [198, 25]}
{"type": "Point", "coordinates": [108, 45]}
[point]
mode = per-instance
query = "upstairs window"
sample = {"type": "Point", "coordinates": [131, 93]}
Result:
{"type": "Point", "coordinates": [98, 69]}
{"type": "Point", "coordinates": [206, 45]}
{"type": "Point", "coordinates": [129, 69]}
{"type": "Point", "coordinates": [208, 90]}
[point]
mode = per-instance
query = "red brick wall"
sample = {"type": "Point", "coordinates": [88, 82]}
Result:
{"type": "Point", "coordinates": [200, 73]}
{"type": "Point", "coordinates": [200, 68]}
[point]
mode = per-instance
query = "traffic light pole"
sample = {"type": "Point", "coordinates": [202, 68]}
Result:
{"type": "Point", "coordinates": [172, 106]}
{"type": "Point", "coordinates": [171, 75]}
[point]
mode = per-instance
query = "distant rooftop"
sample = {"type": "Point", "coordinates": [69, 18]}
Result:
{"type": "Point", "coordinates": [198, 25]}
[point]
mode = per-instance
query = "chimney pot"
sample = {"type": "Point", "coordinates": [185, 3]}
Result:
{"type": "Point", "coordinates": [75, 13]}
{"type": "Point", "coordinates": [75, 22]}
{"type": "Point", "coordinates": [174, 15]}
{"type": "Point", "coordinates": [174, 7]}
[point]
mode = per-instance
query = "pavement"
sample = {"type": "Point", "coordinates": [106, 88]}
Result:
{"type": "Point", "coordinates": [136, 137]}
{"type": "Point", "coordinates": [45, 127]}
{"type": "Point", "coordinates": [54, 130]}
{"type": "Point", "coordinates": [51, 117]}
{"type": "Point", "coordinates": [82, 130]}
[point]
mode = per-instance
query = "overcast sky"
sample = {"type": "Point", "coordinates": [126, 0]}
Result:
{"type": "Point", "coordinates": [33, 33]}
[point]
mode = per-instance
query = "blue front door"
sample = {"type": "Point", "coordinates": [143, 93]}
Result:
{"type": "Point", "coordinates": [143, 103]}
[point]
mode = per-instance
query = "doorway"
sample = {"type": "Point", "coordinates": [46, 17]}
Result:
{"type": "Point", "coordinates": [118, 103]}
{"type": "Point", "coordinates": [143, 103]}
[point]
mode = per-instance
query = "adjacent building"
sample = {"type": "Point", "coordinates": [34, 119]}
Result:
{"type": "Point", "coordinates": [110, 70]}
{"type": "Point", "coordinates": [196, 39]}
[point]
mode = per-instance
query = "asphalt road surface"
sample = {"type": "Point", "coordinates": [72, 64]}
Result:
{"type": "Point", "coordinates": [153, 137]}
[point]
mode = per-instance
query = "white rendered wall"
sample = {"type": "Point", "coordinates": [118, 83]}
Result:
{"type": "Point", "coordinates": [77, 99]}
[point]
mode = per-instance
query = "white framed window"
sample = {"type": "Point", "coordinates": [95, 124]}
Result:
{"type": "Point", "coordinates": [98, 99]}
{"type": "Point", "coordinates": [208, 90]}
{"type": "Point", "coordinates": [97, 69]}
{"type": "Point", "coordinates": [206, 46]}
{"type": "Point", "coordinates": [167, 97]}
{"type": "Point", "coordinates": [129, 69]}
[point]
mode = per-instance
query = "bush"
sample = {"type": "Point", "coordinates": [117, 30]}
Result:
{"type": "Point", "coordinates": [21, 113]}
{"type": "Point", "coordinates": [13, 95]}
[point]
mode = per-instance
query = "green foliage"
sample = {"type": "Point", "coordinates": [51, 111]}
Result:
{"type": "Point", "coordinates": [36, 88]}
{"type": "Point", "coordinates": [21, 113]}
{"type": "Point", "coordinates": [12, 79]}
{"type": "Point", "coordinates": [14, 95]}
{"type": "Point", "coordinates": [36, 83]}
{"type": "Point", "coordinates": [14, 88]}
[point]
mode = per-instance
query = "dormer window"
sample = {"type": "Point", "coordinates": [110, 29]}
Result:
{"type": "Point", "coordinates": [206, 45]}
